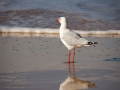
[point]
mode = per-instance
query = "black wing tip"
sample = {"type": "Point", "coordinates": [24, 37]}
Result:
{"type": "Point", "coordinates": [89, 43]}
{"type": "Point", "coordinates": [92, 43]}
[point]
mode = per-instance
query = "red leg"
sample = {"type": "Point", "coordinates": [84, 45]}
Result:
{"type": "Point", "coordinates": [69, 56]}
{"type": "Point", "coordinates": [73, 56]}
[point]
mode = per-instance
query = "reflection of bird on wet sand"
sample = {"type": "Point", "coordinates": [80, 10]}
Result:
{"type": "Point", "coordinates": [73, 83]}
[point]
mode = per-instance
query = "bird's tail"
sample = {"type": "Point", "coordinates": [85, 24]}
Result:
{"type": "Point", "coordinates": [92, 43]}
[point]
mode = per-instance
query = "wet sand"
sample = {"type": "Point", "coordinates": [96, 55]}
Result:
{"type": "Point", "coordinates": [29, 62]}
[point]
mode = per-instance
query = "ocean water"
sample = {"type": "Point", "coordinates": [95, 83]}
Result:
{"type": "Point", "coordinates": [91, 9]}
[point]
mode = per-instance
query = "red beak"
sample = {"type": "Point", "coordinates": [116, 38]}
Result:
{"type": "Point", "coordinates": [57, 20]}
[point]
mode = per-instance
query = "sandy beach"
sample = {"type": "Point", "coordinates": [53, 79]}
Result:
{"type": "Point", "coordinates": [30, 62]}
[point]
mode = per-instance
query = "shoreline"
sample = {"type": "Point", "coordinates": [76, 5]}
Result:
{"type": "Point", "coordinates": [26, 30]}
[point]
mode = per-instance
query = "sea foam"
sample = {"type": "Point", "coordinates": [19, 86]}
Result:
{"type": "Point", "coordinates": [27, 30]}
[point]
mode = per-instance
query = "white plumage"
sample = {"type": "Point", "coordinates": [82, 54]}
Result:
{"type": "Point", "coordinates": [70, 38]}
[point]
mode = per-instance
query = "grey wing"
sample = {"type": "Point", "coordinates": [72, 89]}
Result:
{"type": "Point", "coordinates": [73, 38]}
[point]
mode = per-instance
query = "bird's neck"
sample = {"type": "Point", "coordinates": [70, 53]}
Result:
{"type": "Point", "coordinates": [63, 26]}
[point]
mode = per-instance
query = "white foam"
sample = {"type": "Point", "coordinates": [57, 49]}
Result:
{"type": "Point", "coordinates": [6, 29]}
{"type": "Point", "coordinates": [27, 30]}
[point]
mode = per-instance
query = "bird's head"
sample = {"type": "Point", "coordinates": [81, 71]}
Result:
{"type": "Point", "coordinates": [62, 20]}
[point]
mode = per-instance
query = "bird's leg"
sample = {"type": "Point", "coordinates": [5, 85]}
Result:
{"type": "Point", "coordinates": [73, 56]}
{"type": "Point", "coordinates": [69, 56]}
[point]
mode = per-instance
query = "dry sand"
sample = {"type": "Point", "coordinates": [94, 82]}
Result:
{"type": "Point", "coordinates": [29, 62]}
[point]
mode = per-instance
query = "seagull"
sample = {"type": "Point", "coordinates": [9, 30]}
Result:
{"type": "Point", "coordinates": [71, 39]}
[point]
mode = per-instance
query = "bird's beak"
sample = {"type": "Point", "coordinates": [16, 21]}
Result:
{"type": "Point", "coordinates": [57, 20]}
